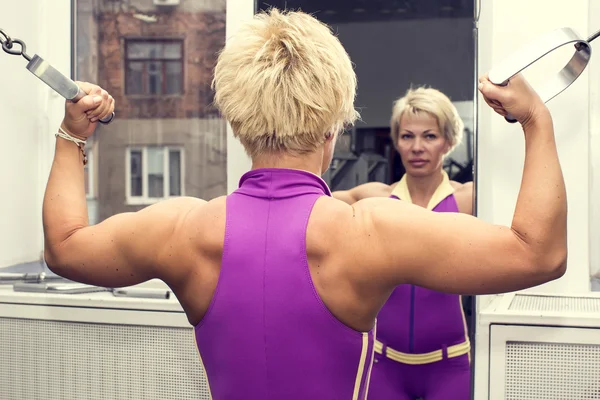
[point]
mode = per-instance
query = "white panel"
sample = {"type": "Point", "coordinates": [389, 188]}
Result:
{"type": "Point", "coordinates": [86, 361]}
{"type": "Point", "coordinates": [544, 371]}
{"type": "Point", "coordinates": [544, 363]}
{"type": "Point", "coordinates": [555, 304]}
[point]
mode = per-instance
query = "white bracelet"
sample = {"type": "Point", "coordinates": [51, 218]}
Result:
{"type": "Point", "coordinates": [80, 143]}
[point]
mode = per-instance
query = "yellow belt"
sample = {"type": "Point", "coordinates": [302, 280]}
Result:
{"type": "Point", "coordinates": [423, 358]}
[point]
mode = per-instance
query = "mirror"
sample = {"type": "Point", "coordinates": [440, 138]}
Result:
{"type": "Point", "coordinates": [395, 46]}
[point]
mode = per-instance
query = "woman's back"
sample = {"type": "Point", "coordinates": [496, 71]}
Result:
{"type": "Point", "coordinates": [267, 334]}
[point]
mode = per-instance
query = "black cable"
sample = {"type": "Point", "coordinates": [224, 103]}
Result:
{"type": "Point", "coordinates": [594, 36]}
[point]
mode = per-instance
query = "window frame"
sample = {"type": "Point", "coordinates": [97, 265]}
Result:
{"type": "Point", "coordinates": [126, 60]}
{"type": "Point", "coordinates": [144, 199]}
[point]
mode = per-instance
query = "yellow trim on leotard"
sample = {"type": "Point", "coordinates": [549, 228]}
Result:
{"type": "Point", "coordinates": [444, 190]}
{"type": "Point", "coordinates": [361, 365]}
{"type": "Point", "coordinates": [372, 360]}
{"type": "Point", "coordinates": [424, 358]}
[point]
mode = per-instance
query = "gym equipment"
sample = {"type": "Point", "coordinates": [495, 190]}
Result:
{"type": "Point", "coordinates": [45, 72]}
{"type": "Point", "coordinates": [538, 49]}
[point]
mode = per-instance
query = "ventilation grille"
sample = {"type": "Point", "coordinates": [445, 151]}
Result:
{"type": "Point", "coordinates": [555, 304]}
{"type": "Point", "coordinates": [551, 371]}
{"type": "Point", "coordinates": [43, 360]}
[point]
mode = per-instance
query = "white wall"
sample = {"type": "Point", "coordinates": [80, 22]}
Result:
{"type": "Point", "coordinates": [238, 162]}
{"type": "Point", "coordinates": [594, 107]}
{"type": "Point", "coordinates": [504, 25]}
{"type": "Point", "coordinates": [29, 114]}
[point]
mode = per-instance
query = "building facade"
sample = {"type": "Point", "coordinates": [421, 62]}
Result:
{"type": "Point", "coordinates": [156, 58]}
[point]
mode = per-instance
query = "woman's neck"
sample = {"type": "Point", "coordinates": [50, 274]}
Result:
{"type": "Point", "coordinates": [422, 188]}
{"type": "Point", "coordinates": [311, 162]}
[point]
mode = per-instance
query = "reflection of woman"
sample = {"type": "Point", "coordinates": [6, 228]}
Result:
{"type": "Point", "coordinates": [422, 344]}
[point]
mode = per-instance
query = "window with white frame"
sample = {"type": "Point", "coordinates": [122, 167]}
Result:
{"type": "Point", "coordinates": [154, 173]}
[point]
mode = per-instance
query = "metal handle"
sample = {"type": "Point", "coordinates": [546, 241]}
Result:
{"type": "Point", "coordinates": [57, 81]}
{"type": "Point", "coordinates": [538, 49]}
{"type": "Point", "coordinates": [46, 72]}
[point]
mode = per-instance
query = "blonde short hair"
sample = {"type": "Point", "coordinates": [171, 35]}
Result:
{"type": "Point", "coordinates": [283, 82]}
{"type": "Point", "coordinates": [434, 103]}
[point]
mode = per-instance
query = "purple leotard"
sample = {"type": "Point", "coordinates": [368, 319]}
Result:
{"type": "Point", "coordinates": [267, 334]}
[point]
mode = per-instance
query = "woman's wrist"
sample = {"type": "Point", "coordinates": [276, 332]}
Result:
{"type": "Point", "coordinates": [68, 132]}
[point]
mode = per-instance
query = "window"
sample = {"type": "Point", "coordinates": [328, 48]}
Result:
{"type": "Point", "coordinates": [142, 61]}
{"type": "Point", "coordinates": [153, 173]}
{"type": "Point", "coordinates": [154, 67]}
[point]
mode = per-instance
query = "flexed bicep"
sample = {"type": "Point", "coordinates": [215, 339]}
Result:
{"type": "Point", "coordinates": [123, 250]}
{"type": "Point", "coordinates": [447, 252]}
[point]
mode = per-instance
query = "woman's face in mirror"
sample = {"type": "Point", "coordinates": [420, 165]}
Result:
{"type": "Point", "coordinates": [421, 144]}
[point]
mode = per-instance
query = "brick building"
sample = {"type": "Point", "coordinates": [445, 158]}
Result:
{"type": "Point", "coordinates": [157, 62]}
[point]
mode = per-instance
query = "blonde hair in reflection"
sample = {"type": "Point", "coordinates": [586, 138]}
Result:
{"type": "Point", "coordinates": [284, 82]}
{"type": "Point", "coordinates": [434, 103]}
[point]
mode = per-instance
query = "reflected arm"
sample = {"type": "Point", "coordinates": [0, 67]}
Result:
{"type": "Point", "coordinates": [364, 191]}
